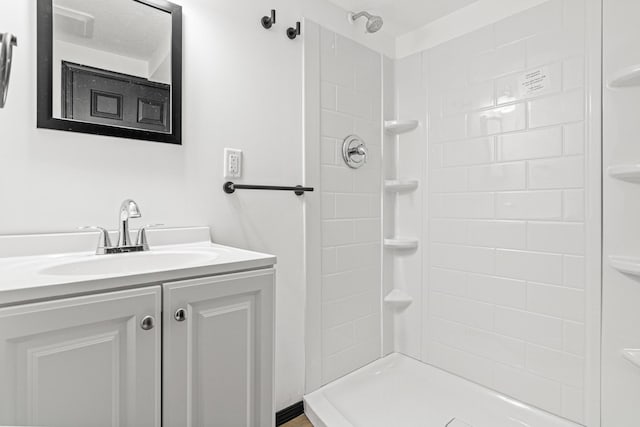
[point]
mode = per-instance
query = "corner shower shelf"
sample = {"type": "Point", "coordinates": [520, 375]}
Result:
{"type": "Point", "coordinates": [625, 264]}
{"type": "Point", "coordinates": [398, 298]}
{"type": "Point", "coordinates": [398, 185]}
{"type": "Point", "coordinates": [396, 127]}
{"type": "Point", "coordinates": [629, 173]}
{"type": "Point", "coordinates": [401, 243]}
{"type": "Point", "coordinates": [627, 77]}
{"type": "Point", "coordinates": [632, 355]}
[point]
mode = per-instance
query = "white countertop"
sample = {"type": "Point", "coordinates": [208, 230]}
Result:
{"type": "Point", "coordinates": [26, 277]}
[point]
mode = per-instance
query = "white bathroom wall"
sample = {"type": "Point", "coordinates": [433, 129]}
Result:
{"type": "Point", "coordinates": [242, 88]}
{"type": "Point", "coordinates": [621, 292]}
{"type": "Point", "coordinates": [348, 98]}
{"type": "Point", "coordinates": [474, 16]}
{"type": "Point", "coordinates": [504, 288]}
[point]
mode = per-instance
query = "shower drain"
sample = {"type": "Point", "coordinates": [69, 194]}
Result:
{"type": "Point", "coordinates": [457, 423]}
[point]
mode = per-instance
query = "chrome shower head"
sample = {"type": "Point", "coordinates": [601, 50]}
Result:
{"type": "Point", "coordinates": [374, 23]}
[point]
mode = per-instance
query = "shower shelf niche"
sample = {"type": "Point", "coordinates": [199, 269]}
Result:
{"type": "Point", "coordinates": [396, 186]}
{"type": "Point", "coordinates": [630, 173]}
{"type": "Point", "coordinates": [625, 264]}
{"type": "Point", "coordinates": [398, 298]}
{"type": "Point", "coordinates": [632, 355]}
{"type": "Point", "coordinates": [627, 77]}
{"type": "Point", "coordinates": [396, 127]}
{"type": "Point", "coordinates": [401, 243]}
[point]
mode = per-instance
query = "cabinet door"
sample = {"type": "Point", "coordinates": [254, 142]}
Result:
{"type": "Point", "coordinates": [81, 362]}
{"type": "Point", "coordinates": [218, 361]}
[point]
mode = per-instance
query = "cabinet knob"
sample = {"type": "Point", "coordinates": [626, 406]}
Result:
{"type": "Point", "coordinates": [148, 322]}
{"type": "Point", "coordinates": [180, 315]}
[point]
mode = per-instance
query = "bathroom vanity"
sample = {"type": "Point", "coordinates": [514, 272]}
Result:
{"type": "Point", "coordinates": [181, 335]}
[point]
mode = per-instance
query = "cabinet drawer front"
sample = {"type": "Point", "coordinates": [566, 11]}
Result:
{"type": "Point", "coordinates": [218, 354]}
{"type": "Point", "coordinates": [82, 361]}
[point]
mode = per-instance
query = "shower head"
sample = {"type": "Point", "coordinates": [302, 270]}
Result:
{"type": "Point", "coordinates": [374, 23]}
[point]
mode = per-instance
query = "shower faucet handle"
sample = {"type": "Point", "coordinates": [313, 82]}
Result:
{"type": "Point", "coordinates": [354, 151]}
{"type": "Point", "coordinates": [360, 150]}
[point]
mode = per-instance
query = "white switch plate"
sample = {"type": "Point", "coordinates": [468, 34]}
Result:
{"type": "Point", "coordinates": [232, 163]}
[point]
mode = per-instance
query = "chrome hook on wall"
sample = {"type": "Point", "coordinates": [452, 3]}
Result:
{"type": "Point", "coordinates": [7, 42]}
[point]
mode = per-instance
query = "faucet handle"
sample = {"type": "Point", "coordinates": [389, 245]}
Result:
{"type": "Point", "coordinates": [141, 240]}
{"type": "Point", "coordinates": [105, 240]}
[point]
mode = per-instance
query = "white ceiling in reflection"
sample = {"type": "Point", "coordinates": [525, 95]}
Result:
{"type": "Point", "coordinates": [123, 27]}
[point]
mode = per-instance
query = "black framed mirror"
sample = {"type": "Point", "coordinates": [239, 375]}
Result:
{"type": "Point", "coordinates": [111, 67]}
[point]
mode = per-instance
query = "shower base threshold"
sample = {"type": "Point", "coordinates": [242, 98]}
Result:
{"type": "Point", "coordinates": [398, 391]}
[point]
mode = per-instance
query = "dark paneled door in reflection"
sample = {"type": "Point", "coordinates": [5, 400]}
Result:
{"type": "Point", "coordinates": [105, 97]}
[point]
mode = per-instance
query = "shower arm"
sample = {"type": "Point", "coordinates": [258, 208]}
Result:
{"type": "Point", "coordinates": [356, 16]}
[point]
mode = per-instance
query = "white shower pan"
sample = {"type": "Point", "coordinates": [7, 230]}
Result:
{"type": "Point", "coordinates": [398, 391]}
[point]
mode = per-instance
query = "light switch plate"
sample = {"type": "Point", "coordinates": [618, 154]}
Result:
{"type": "Point", "coordinates": [232, 163]}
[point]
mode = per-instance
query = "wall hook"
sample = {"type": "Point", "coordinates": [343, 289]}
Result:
{"type": "Point", "coordinates": [292, 33]}
{"type": "Point", "coordinates": [268, 21]}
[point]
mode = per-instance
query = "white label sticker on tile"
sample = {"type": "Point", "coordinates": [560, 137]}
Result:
{"type": "Point", "coordinates": [534, 82]}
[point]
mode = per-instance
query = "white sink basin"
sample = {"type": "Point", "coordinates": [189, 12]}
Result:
{"type": "Point", "coordinates": [38, 267]}
{"type": "Point", "coordinates": [133, 263]}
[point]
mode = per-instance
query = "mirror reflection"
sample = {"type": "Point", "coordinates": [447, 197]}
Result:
{"type": "Point", "coordinates": [112, 64]}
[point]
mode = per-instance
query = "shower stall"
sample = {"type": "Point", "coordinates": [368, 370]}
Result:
{"type": "Point", "coordinates": [454, 279]}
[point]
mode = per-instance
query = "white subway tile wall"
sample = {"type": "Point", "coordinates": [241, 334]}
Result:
{"type": "Point", "coordinates": [351, 79]}
{"type": "Point", "coordinates": [506, 207]}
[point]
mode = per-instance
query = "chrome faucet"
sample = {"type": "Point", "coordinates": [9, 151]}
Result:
{"type": "Point", "coordinates": [128, 209]}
